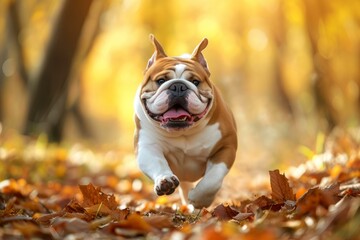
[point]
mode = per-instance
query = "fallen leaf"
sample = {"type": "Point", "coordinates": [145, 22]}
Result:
{"type": "Point", "coordinates": [159, 221]}
{"type": "Point", "coordinates": [98, 210]}
{"type": "Point", "coordinates": [315, 197]}
{"type": "Point", "coordinates": [133, 225]}
{"type": "Point", "coordinates": [330, 194]}
{"type": "Point", "coordinates": [9, 208]}
{"type": "Point", "coordinates": [308, 203]}
{"type": "Point", "coordinates": [264, 202]}
{"type": "Point", "coordinates": [74, 207]}
{"type": "Point", "coordinates": [46, 218]}
{"type": "Point", "coordinates": [281, 190]}
{"type": "Point", "coordinates": [120, 214]}
{"type": "Point", "coordinates": [242, 216]}
{"type": "Point", "coordinates": [224, 212]}
{"type": "Point", "coordinates": [93, 196]}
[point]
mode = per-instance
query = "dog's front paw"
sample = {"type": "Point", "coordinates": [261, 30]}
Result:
{"type": "Point", "coordinates": [166, 184]}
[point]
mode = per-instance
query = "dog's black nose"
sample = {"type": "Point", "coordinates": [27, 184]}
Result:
{"type": "Point", "coordinates": [178, 89]}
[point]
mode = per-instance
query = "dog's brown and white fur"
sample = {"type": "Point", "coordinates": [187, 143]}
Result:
{"type": "Point", "coordinates": [185, 133]}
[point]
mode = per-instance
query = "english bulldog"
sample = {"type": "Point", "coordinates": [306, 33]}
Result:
{"type": "Point", "coordinates": [185, 133]}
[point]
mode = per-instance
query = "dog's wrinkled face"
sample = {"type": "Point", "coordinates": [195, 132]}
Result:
{"type": "Point", "coordinates": [176, 92]}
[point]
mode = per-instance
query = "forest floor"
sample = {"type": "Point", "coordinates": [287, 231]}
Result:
{"type": "Point", "coordinates": [50, 191]}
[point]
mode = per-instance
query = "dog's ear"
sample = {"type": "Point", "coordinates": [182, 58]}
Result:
{"type": "Point", "coordinates": [198, 56]}
{"type": "Point", "coordinates": [159, 51]}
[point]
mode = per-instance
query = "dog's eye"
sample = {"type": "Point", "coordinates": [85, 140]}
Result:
{"type": "Point", "coordinates": [160, 81]}
{"type": "Point", "coordinates": [196, 82]}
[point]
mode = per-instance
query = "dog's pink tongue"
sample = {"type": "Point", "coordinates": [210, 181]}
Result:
{"type": "Point", "coordinates": [176, 113]}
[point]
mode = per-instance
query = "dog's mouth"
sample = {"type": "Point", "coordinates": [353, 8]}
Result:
{"type": "Point", "coordinates": [177, 117]}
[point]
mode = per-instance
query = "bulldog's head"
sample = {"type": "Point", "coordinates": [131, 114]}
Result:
{"type": "Point", "coordinates": [176, 92]}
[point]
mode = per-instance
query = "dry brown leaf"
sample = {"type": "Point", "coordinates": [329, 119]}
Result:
{"type": "Point", "coordinates": [281, 190]}
{"type": "Point", "coordinates": [120, 214]}
{"type": "Point", "coordinates": [308, 202]}
{"type": "Point", "coordinates": [224, 212]}
{"type": "Point", "coordinates": [98, 210]}
{"type": "Point", "coordinates": [74, 207]}
{"type": "Point", "coordinates": [134, 225]}
{"type": "Point", "coordinates": [93, 196]}
{"type": "Point", "coordinates": [46, 218]}
{"type": "Point", "coordinates": [330, 194]}
{"type": "Point", "coordinates": [242, 216]}
{"type": "Point", "coordinates": [315, 197]}
{"type": "Point", "coordinates": [9, 208]}
{"type": "Point", "coordinates": [264, 202]}
{"type": "Point", "coordinates": [75, 210]}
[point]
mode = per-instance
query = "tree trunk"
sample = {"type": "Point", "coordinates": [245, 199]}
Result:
{"type": "Point", "coordinates": [49, 96]}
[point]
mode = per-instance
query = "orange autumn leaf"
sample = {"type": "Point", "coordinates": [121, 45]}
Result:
{"type": "Point", "coordinates": [102, 210]}
{"type": "Point", "coordinates": [98, 210]}
{"type": "Point", "coordinates": [301, 191]}
{"type": "Point", "coordinates": [133, 225]}
{"type": "Point", "coordinates": [93, 196]}
{"type": "Point", "coordinates": [74, 207]}
{"type": "Point", "coordinates": [315, 197]}
{"type": "Point", "coordinates": [159, 221]}
{"type": "Point", "coordinates": [280, 188]}
{"type": "Point", "coordinates": [19, 187]}
{"type": "Point", "coordinates": [308, 203]}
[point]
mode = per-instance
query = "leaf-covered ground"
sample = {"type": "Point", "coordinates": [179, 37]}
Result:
{"type": "Point", "coordinates": [75, 192]}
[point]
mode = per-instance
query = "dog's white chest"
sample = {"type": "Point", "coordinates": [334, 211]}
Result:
{"type": "Point", "coordinates": [198, 145]}
{"type": "Point", "coordinates": [187, 155]}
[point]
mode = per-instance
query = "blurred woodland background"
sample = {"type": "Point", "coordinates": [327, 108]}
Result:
{"type": "Point", "coordinates": [290, 70]}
